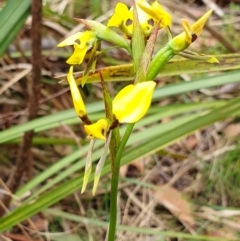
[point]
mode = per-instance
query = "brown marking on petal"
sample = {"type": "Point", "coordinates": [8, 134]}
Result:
{"type": "Point", "coordinates": [194, 37]}
{"type": "Point", "coordinates": [129, 22]}
{"type": "Point", "coordinates": [103, 132]}
{"type": "Point", "coordinates": [77, 41]}
{"type": "Point", "coordinates": [114, 124]}
{"type": "Point", "coordinates": [151, 22]}
{"type": "Point", "coordinates": [90, 49]}
{"type": "Point", "coordinates": [86, 120]}
{"type": "Point", "coordinates": [169, 29]}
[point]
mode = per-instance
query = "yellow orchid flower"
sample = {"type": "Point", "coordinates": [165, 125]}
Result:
{"type": "Point", "coordinates": [133, 101]}
{"type": "Point", "coordinates": [76, 96]}
{"type": "Point", "coordinates": [190, 34]}
{"type": "Point", "coordinates": [123, 19]}
{"type": "Point", "coordinates": [156, 12]}
{"type": "Point", "coordinates": [98, 129]}
{"type": "Point", "coordinates": [83, 43]}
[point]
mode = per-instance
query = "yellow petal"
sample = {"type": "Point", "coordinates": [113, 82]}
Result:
{"type": "Point", "coordinates": [76, 96]}
{"type": "Point", "coordinates": [133, 101]}
{"type": "Point", "coordinates": [121, 10]}
{"type": "Point", "coordinates": [78, 55]}
{"type": "Point", "coordinates": [146, 21]}
{"type": "Point", "coordinates": [79, 38]}
{"type": "Point", "coordinates": [163, 16]}
{"type": "Point", "coordinates": [87, 38]}
{"type": "Point", "coordinates": [156, 11]}
{"type": "Point", "coordinates": [82, 42]}
{"type": "Point", "coordinates": [197, 27]}
{"type": "Point", "coordinates": [187, 35]}
{"type": "Point", "coordinates": [98, 129]}
{"type": "Point", "coordinates": [71, 40]}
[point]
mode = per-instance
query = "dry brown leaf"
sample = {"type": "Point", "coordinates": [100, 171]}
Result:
{"type": "Point", "coordinates": [16, 237]}
{"type": "Point", "coordinates": [223, 233]}
{"type": "Point", "coordinates": [123, 170]}
{"type": "Point", "coordinates": [174, 201]}
{"type": "Point", "coordinates": [232, 130]}
{"type": "Point", "coordinates": [138, 164]}
{"type": "Point", "coordinates": [38, 224]}
{"type": "Point", "coordinates": [191, 142]}
{"type": "Point", "coordinates": [15, 79]}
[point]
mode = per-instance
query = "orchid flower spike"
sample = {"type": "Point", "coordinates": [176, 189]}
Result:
{"type": "Point", "coordinates": [133, 102]}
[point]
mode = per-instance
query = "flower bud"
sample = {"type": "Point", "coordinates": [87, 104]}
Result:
{"type": "Point", "coordinates": [190, 34]}
{"type": "Point", "coordinates": [76, 96]}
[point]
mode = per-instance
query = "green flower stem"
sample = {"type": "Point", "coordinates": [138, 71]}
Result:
{"type": "Point", "coordinates": [114, 183]}
{"type": "Point", "coordinates": [114, 143]}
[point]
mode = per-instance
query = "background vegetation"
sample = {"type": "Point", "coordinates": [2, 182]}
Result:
{"type": "Point", "coordinates": [180, 171]}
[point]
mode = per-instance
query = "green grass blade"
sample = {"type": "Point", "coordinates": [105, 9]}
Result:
{"type": "Point", "coordinates": [183, 87]}
{"type": "Point", "coordinates": [79, 154]}
{"type": "Point", "coordinates": [13, 17]}
{"type": "Point", "coordinates": [139, 230]}
{"type": "Point", "coordinates": [47, 122]}
{"type": "Point", "coordinates": [69, 116]}
{"type": "Point", "coordinates": [155, 144]}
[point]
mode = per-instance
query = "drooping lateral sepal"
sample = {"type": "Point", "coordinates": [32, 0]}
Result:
{"type": "Point", "coordinates": [88, 166]}
{"type": "Point", "coordinates": [100, 164]}
{"type": "Point", "coordinates": [78, 103]}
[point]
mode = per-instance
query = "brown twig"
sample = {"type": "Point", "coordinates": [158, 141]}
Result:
{"type": "Point", "coordinates": [23, 161]}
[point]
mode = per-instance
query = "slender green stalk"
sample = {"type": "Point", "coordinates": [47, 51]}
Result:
{"type": "Point", "coordinates": [114, 183]}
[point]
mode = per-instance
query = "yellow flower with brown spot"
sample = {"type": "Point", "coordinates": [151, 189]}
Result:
{"type": "Point", "coordinates": [190, 34]}
{"type": "Point", "coordinates": [82, 42]}
{"type": "Point", "coordinates": [123, 19]}
{"type": "Point", "coordinates": [98, 129]}
{"type": "Point", "coordinates": [156, 11]}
